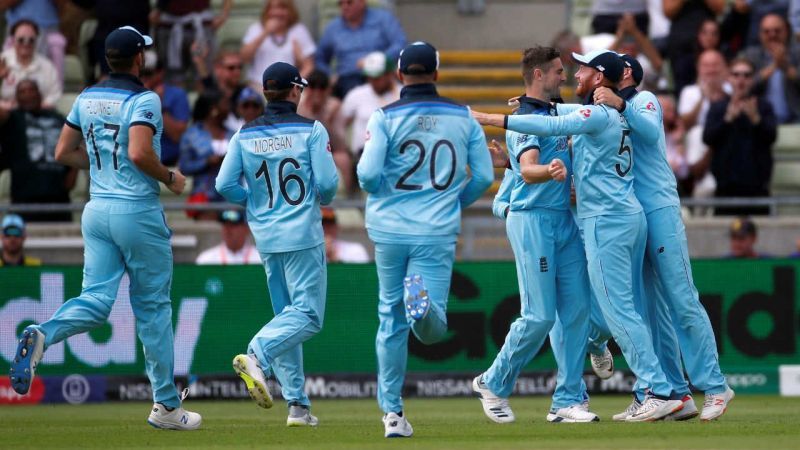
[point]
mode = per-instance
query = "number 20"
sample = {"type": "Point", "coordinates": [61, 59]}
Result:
{"type": "Point", "coordinates": [401, 183]}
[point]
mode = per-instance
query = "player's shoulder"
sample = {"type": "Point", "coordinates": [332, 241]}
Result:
{"type": "Point", "coordinates": [413, 104]}
{"type": "Point", "coordinates": [278, 121]}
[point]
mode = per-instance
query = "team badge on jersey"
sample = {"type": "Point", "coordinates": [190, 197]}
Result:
{"type": "Point", "coordinates": [586, 113]}
{"type": "Point", "coordinates": [650, 106]}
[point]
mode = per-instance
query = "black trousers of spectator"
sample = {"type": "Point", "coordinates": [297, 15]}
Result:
{"type": "Point", "coordinates": [347, 82]}
{"type": "Point", "coordinates": [741, 191]}
{"type": "Point", "coordinates": [607, 23]}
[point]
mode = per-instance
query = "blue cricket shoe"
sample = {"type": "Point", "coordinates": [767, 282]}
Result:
{"type": "Point", "coordinates": [417, 302]}
{"type": "Point", "coordinates": [29, 352]}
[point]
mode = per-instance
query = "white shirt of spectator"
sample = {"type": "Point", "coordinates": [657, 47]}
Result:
{"type": "Point", "coordinates": [272, 51]}
{"type": "Point", "coordinates": [358, 105]}
{"type": "Point", "coordinates": [351, 252]}
{"type": "Point", "coordinates": [40, 70]}
{"type": "Point", "coordinates": [222, 255]}
{"type": "Point", "coordinates": [692, 94]}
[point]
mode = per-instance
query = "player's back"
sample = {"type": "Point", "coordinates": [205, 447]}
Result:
{"type": "Point", "coordinates": [549, 195]}
{"type": "Point", "coordinates": [426, 142]}
{"type": "Point", "coordinates": [602, 164]}
{"type": "Point", "coordinates": [104, 114]}
{"type": "Point", "coordinates": [654, 181]}
{"type": "Point", "coordinates": [283, 204]}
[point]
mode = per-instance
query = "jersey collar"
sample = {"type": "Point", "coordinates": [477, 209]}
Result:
{"type": "Point", "coordinates": [628, 93]}
{"type": "Point", "coordinates": [281, 107]}
{"type": "Point", "coordinates": [127, 77]}
{"type": "Point", "coordinates": [529, 105]}
{"type": "Point", "coordinates": [419, 90]}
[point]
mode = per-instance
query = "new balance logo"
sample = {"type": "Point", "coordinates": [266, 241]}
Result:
{"type": "Point", "coordinates": [184, 419]}
{"type": "Point", "coordinates": [543, 264]}
{"type": "Point", "coordinates": [393, 423]}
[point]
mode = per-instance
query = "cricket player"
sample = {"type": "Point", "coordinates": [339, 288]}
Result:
{"type": "Point", "coordinates": [611, 216]}
{"type": "Point", "coordinates": [414, 167]}
{"type": "Point", "coordinates": [672, 299]}
{"type": "Point", "coordinates": [123, 225]}
{"type": "Point", "coordinates": [551, 264]}
{"type": "Point", "coordinates": [287, 163]}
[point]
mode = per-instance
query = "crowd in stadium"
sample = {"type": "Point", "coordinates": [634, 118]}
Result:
{"type": "Point", "coordinates": [726, 74]}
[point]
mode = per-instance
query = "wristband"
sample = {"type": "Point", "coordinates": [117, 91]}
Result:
{"type": "Point", "coordinates": [171, 178]}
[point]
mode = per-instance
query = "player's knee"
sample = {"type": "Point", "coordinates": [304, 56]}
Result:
{"type": "Point", "coordinates": [533, 324]}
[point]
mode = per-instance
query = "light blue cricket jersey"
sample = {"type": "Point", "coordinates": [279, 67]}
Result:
{"type": "Point", "coordinates": [287, 163]}
{"type": "Point", "coordinates": [654, 182]}
{"type": "Point", "coordinates": [602, 155]}
{"type": "Point", "coordinates": [502, 199]}
{"type": "Point", "coordinates": [104, 114]}
{"type": "Point", "coordinates": [551, 194]}
{"type": "Point", "coordinates": [414, 167]}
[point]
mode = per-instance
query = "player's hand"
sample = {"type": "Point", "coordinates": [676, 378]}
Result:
{"type": "Point", "coordinates": [557, 170]}
{"type": "Point", "coordinates": [605, 96]}
{"type": "Point", "coordinates": [488, 119]}
{"type": "Point", "coordinates": [178, 183]}
{"type": "Point", "coordinates": [499, 156]}
{"type": "Point", "coordinates": [513, 102]}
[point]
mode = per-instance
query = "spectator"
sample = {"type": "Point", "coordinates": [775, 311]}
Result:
{"type": "Point", "coordinates": [567, 43]}
{"type": "Point", "coordinates": [13, 242]}
{"type": "Point", "coordinates": [693, 106]}
{"type": "Point", "coordinates": [317, 103]}
{"type": "Point", "coordinates": [632, 41]}
{"type": "Point", "coordinates": [359, 104]}
{"type": "Point", "coordinates": [249, 105]}
{"type": "Point", "coordinates": [794, 17]}
{"type": "Point", "coordinates": [708, 37]}
{"type": "Point", "coordinates": [757, 10]}
{"type": "Point", "coordinates": [44, 15]}
{"type": "Point", "coordinates": [22, 62]}
{"type": "Point", "coordinates": [740, 130]}
{"type": "Point", "coordinates": [174, 110]}
{"type": "Point", "coordinates": [71, 15]}
{"type": "Point", "coordinates": [337, 250]}
{"type": "Point", "coordinates": [675, 135]}
{"type": "Point", "coordinates": [202, 148]}
{"type": "Point", "coordinates": [184, 27]}
{"type": "Point", "coordinates": [686, 17]}
{"type": "Point", "coordinates": [351, 36]}
{"type": "Point", "coordinates": [110, 15]}
{"type": "Point", "coordinates": [226, 79]}
{"type": "Point", "coordinates": [28, 136]}
{"type": "Point", "coordinates": [279, 36]}
{"type": "Point", "coordinates": [235, 248]}
{"type": "Point", "coordinates": [743, 236]}
{"type": "Point", "coordinates": [606, 15]}
{"type": "Point", "coordinates": [777, 60]}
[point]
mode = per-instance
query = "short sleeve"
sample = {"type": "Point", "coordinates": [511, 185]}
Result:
{"type": "Point", "coordinates": [521, 143]}
{"type": "Point", "coordinates": [300, 32]}
{"type": "Point", "coordinates": [74, 116]}
{"type": "Point", "coordinates": [147, 111]}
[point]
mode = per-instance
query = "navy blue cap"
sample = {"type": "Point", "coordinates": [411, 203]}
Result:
{"type": "Point", "coordinates": [423, 56]}
{"type": "Point", "coordinates": [605, 61]}
{"type": "Point", "coordinates": [637, 72]}
{"type": "Point", "coordinates": [127, 41]}
{"type": "Point", "coordinates": [13, 225]}
{"type": "Point", "coordinates": [281, 75]}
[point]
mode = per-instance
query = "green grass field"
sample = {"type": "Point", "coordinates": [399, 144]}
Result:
{"type": "Point", "coordinates": [753, 422]}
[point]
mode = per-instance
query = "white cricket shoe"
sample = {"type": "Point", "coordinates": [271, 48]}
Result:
{"type": "Point", "coordinates": [496, 408]}
{"type": "Point", "coordinates": [178, 418]}
{"type": "Point", "coordinates": [572, 414]}
{"type": "Point", "coordinates": [655, 408]}
{"type": "Point", "coordinates": [603, 365]}
{"type": "Point", "coordinates": [689, 410]}
{"type": "Point", "coordinates": [300, 416]}
{"type": "Point", "coordinates": [249, 370]}
{"type": "Point", "coordinates": [396, 425]}
{"type": "Point", "coordinates": [632, 408]}
{"type": "Point", "coordinates": [716, 404]}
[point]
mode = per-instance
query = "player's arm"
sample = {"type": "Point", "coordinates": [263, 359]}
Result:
{"type": "Point", "coordinates": [370, 166]}
{"type": "Point", "coordinates": [68, 149]}
{"type": "Point", "coordinates": [643, 112]}
{"type": "Point", "coordinates": [587, 120]}
{"type": "Point", "coordinates": [227, 183]}
{"type": "Point", "coordinates": [502, 200]}
{"type": "Point", "coordinates": [69, 152]}
{"type": "Point", "coordinates": [144, 124]}
{"type": "Point", "coordinates": [566, 108]}
{"type": "Point", "coordinates": [480, 164]}
{"type": "Point", "coordinates": [322, 164]}
{"type": "Point", "coordinates": [533, 172]}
